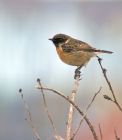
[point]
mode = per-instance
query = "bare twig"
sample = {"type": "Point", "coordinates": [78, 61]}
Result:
{"type": "Point", "coordinates": [57, 137]}
{"type": "Point", "coordinates": [75, 106]}
{"type": "Point", "coordinates": [71, 108]}
{"type": "Point", "coordinates": [93, 99]}
{"type": "Point", "coordinates": [109, 84]}
{"type": "Point", "coordinates": [29, 117]}
{"type": "Point", "coordinates": [77, 129]}
{"type": "Point", "coordinates": [116, 136]}
{"type": "Point", "coordinates": [100, 130]}
{"type": "Point", "coordinates": [46, 107]}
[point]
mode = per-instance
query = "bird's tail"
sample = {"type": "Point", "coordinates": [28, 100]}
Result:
{"type": "Point", "coordinates": [94, 50]}
{"type": "Point", "coordinates": [103, 51]}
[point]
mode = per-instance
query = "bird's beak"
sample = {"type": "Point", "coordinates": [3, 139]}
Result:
{"type": "Point", "coordinates": [50, 39]}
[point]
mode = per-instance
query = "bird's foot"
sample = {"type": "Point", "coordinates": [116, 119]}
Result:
{"type": "Point", "coordinates": [78, 73]}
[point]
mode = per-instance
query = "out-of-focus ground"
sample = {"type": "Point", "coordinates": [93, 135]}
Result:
{"type": "Point", "coordinates": [26, 54]}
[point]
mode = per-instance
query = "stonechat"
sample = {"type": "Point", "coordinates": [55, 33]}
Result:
{"type": "Point", "coordinates": [74, 52]}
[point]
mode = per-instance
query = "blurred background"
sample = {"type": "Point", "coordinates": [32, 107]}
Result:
{"type": "Point", "coordinates": [26, 54]}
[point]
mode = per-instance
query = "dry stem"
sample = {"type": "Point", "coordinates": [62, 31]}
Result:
{"type": "Point", "coordinates": [75, 106]}
{"type": "Point", "coordinates": [71, 108]}
{"type": "Point", "coordinates": [116, 136]}
{"type": "Point", "coordinates": [100, 130]}
{"type": "Point", "coordinates": [77, 129]}
{"type": "Point", "coordinates": [29, 117]}
{"type": "Point", "coordinates": [109, 84]}
{"type": "Point", "coordinates": [57, 137]}
{"type": "Point", "coordinates": [46, 108]}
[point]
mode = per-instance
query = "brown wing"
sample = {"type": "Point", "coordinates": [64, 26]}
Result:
{"type": "Point", "coordinates": [76, 45]}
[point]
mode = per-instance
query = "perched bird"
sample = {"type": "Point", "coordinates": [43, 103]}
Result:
{"type": "Point", "coordinates": [74, 52]}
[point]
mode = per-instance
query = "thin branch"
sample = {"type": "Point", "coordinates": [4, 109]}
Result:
{"type": "Point", "coordinates": [100, 130]}
{"type": "Point", "coordinates": [75, 106]}
{"type": "Point", "coordinates": [57, 137]}
{"type": "Point", "coordinates": [79, 125]}
{"type": "Point", "coordinates": [46, 107]}
{"type": "Point", "coordinates": [116, 136]}
{"type": "Point", "coordinates": [93, 99]}
{"type": "Point", "coordinates": [29, 117]}
{"type": "Point", "coordinates": [109, 84]}
{"type": "Point", "coordinates": [71, 108]}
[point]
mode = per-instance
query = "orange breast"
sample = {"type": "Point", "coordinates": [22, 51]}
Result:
{"type": "Point", "coordinates": [76, 58]}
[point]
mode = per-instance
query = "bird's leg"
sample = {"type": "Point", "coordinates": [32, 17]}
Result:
{"type": "Point", "coordinates": [78, 72]}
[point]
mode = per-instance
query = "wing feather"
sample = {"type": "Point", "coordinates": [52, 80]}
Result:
{"type": "Point", "coordinates": [73, 46]}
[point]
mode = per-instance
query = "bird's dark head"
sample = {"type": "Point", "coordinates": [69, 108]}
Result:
{"type": "Point", "coordinates": [59, 39]}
